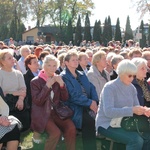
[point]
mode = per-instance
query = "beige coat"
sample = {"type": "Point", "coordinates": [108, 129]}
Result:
{"type": "Point", "coordinates": [96, 79]}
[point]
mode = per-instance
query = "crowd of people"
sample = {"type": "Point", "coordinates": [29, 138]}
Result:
{"type": "Point", "coordinates": [99, 83]}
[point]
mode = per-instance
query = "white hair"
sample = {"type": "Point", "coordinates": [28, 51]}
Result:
{"type": "Point", "coordinates": [126, 67]}
{"type": "Point", "coordinates": [138, 61]}
{"type": "Point", "coordinates": [24, 47]}
{"type": "Point", "coordinates": [49, 58]}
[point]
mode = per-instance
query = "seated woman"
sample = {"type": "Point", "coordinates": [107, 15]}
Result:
{"type": "Point", "coordinates": [9, 133]}
{"type": "Point", "coordinates": [31, 63]}
{"type": "Point", "coordinates": [47, 87]}
{"type": "Point", "coordinates": [140, 82]}
{"type": "Point", "coordinates": [97, 74]}
{"type": "Point", "coordinates": [13, 86]}
{"type": "Point", "coordinates": [122, 101]}
{"type": "Point", "coordinates": [83, 99]}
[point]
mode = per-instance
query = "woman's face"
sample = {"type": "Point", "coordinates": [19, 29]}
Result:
{"type": "Point", "coordinates": [26, 52]}
{"type": "Point", "coordinates": [72, 63]}
{"type": "Point", "coordinates": [8, 61]}
{"type": "Point", "coordinates": [90, 57]}
{"type": "Point", "coordinates": [50, 67]}
{"type": "Point", "coordinates": [141, 72]}
{"type": "Point", "coordinates": [34, 66]}
{"type": "Point", "coordinates": [127, 78]}
{"type": "Point", "coordinates": [83, 61]}
{"type": "Point", "coordinates": [102, 62]}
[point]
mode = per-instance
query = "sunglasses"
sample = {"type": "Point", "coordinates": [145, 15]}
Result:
{"type": "Point", "coordinates": [131, 76]}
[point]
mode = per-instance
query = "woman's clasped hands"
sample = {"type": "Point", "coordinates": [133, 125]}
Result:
{"type": "Point", "coordinates": [141, 110]}
{"type": "Point", "coordinates": [53, 79]}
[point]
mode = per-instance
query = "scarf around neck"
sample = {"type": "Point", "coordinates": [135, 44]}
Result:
{"type": "Point", "coordinates": [43, 75]}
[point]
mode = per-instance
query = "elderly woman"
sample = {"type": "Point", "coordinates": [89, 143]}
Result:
{"type": "Point", "coordinates": [122, 101]}
{"type": "Point", "coordinates": [13, 86]}
{"type": "Point", "coordinates": [140, 83]}
{"type": "Point", "coordinates": [24, 52]}
{"type": "Point", "coordinates": [97, 73]}
{"type": "Point", "coordinates": [45, 88]}
{"type": "Point", "coordinates": [82, 99]}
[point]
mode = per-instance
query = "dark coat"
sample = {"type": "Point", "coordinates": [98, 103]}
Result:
{"type": "Point", "coordinates": [140, 95]}
{"type": "Point", "coordinates": [28, 76]}
{"type": "Point", "coordinates": [80, 68]}
{"type": "Point", "coordinates": [41, 102]}
{"type": "Point", "coordinates": [113, 75]}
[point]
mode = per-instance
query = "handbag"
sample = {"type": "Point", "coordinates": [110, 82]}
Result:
{"type": "Point", "coordinates": [23, 115]}
{"type": "Point", "coordinates": [62, 110]}
{"type": "Point", "coordinates": [11, 101]}
{"type": "Point", "coordinates": [136, 123]}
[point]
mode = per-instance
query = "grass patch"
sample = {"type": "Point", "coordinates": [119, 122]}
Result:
{"type": "Point", "coordinates": [27, 144]}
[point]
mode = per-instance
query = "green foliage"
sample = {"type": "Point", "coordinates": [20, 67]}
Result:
{"type": "Point", "coordinates": [3, 32]}
{"type": "Point", "coordinates": [128, 30]}
{"type": "Point", "coordinates": [87, 29]}
{"type": "Point", "coordinates": [6, 12]}
{"type": "Point", "coordinates": [97, 33]}
{"type": "Point", "coordinates": [21, 29]}
{"type": "Point", "coordinates": [105, 32]}
{"type": "Point", "coordinates": [109, 29]}
{"type": "Point", "coordinates": [13, 29]}
{"type": "Point", "coordinates": [118, 32]}
{"type": "Point", "coordinates": [69, 31]}
{"type": "Point", "coordinates": [78, 32]}
{"type": "Point", "coordinates": [143, 40]}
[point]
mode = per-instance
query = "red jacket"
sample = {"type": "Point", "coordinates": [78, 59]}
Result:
{"type": "Point", "coordinates": [41, 103]}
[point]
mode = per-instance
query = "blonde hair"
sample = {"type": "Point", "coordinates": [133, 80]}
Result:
{"type": "Point", "coordinates": [3, 54]}
{"type": "Point", "coordinates": [81, 54]}
{"type": "Point", "coordinates": [97, 57]}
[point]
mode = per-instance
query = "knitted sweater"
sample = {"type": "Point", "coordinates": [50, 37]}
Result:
{"type": "Point", "coordinates": [116, 100]}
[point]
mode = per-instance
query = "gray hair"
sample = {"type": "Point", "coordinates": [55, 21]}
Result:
{"type": "Point", "coordinates": [49, 58]}
{"type": "Point", "coordinates": [116, 59]}
{"type": "Point", "coordinates": [138, 61]}
{"type": "Point", "coordinates": [69, 54]}
{"type": "Point", "coordinates": [126, 67]}
{"type": "Point", "coordinates": [110, 55]}
{"type": "Point", "coordinates": [48, 49]}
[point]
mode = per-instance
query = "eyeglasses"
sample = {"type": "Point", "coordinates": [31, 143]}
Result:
{"type": "Point", "coordinates": [131, 76]}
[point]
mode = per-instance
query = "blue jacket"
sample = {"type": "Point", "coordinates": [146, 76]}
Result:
{"type": "Point", "coordinates": [140, 95]}
{"type": "Point", "coordinates": [77, 99]}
